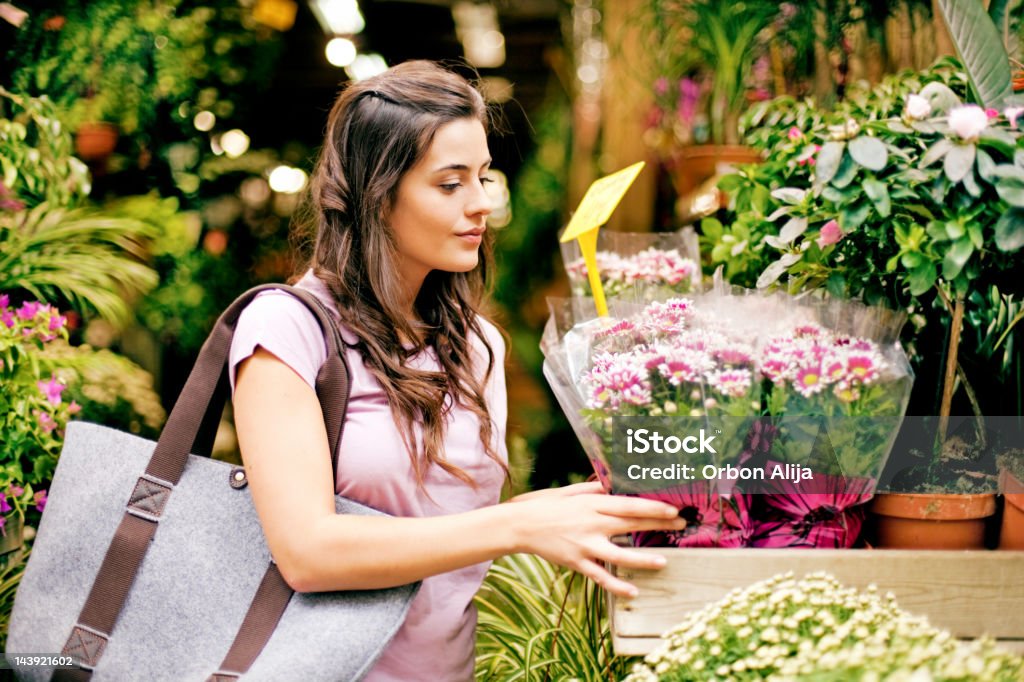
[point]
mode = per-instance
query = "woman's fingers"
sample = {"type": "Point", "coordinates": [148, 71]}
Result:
{"type": "Point", "coordinates": [588, 488]}
{"type": "Point", "coordinates": [606, 580]}
{"type": "Point", "coordinates": [635, 507]}
{"type": "Point", "coordinates": [627, 558]}
{"type": "Point", "coordinates": [620, 526]}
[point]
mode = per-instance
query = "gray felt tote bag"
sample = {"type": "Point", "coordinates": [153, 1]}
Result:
{"type": "Point", "coordinates": [150, 563]}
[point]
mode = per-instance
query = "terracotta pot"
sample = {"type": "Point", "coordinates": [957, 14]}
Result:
{"type": "Point", "coordinates": [1011, 535]}
{"type": "Point", "coordinates": [925, 521]}
{"type": "Point", "coordinates": [95, 141]}
{"type": "Point", "coordinates": [694, 172]}
{"type": "Point", "coordinates": [693, 165]}
{"type": "Point", "coordinates": [13, 536]}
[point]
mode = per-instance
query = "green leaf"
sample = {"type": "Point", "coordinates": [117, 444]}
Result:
{"type": "Point", "coordinates": [985, 165]}
{"type": "Point", "coordinates": [971, 184]}
{"type": "Point", "coordinates": [1008, 170]}
{"type": "Point", "coordinates": [775, 270]}
{"type": "Point", "coordinates": [879, 195]}
{"type": "Point", "coordinates": [836, 285]}
{"type": "Point", "coordinates": [731, 182]}
{"type": "Point", "coordinates": [846, 173]}
{"type": "Point", "coordinates": [981, 50]}
{"type": "Point", "coordinates": [869, 152]}
{"type": "Point", "coordinates": [1010, 230]}
{"type": "Point", "coordinates": [795, 227]}
{"type": "Point", "coordinates": [852, 217]}
{"type": "Point", "coordinates": [789, 195]}
{"type": "Point", "coordinates": [936, 152]}
{"type": "Point", "coordinates": [922, 278]}
{"type": "Point", "coordinates": [976, 236]}
{"type": "Point", "coordinates": [760, 199]}
{"type": "Point", "coordinates": [1006, 16]}
{"type": "Point", "coordinates": [940, 97]}
{"type": "Point", "coordinates": [959, 161]}
{"type": "Point", "coordinates": [1011, 190]}
{"type": "Point", "coordinates": [711, 227]}
{"type": "Point", "coordinates": [828, 161]}
{"type": "Point", "coordinates": [911, 260]}
{"type": "Point", "coordinates": [956, 258]}
{"type": "Point", "coordinates": [937, 231]}
{"type": "Point", "coordinates": [832, 194]}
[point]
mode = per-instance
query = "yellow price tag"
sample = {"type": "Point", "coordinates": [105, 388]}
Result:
{"type": "Point", "coordinates": [594, 211]}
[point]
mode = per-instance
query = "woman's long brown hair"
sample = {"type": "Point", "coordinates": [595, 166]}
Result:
{"type": "Point", "coordinates": [377, 130]}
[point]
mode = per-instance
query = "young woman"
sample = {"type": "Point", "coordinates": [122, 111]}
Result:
{"type": "Point", "coordinates": [400, 256]}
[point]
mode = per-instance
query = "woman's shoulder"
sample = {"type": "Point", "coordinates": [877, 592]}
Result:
{"type": "Point", "coordinates": [492, 334]}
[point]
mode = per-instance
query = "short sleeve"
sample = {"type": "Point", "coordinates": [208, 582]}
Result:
{"type": "Point", "coordinates": [282, 325]}
{"type": "Point", "coordinates": [495, 391]}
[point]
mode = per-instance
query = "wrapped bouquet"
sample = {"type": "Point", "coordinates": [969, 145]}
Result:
{"type": "Point", "coordinates": [644, 266]}
{"type": "Point", "coordinates": [765, 419]}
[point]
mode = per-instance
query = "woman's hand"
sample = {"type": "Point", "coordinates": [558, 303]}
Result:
{"type": "Point", "coordinates": [590, 487]}
{"type": "Point", "coordinates": [572, 528]}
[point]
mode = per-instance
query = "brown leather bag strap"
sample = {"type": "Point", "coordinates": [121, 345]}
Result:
{"type": "Point", "coordinates": [272, 597]}
{"type": "Point", "coordinates": [200, 404]}
{"type": "Point", "coordinates": [260, 621]}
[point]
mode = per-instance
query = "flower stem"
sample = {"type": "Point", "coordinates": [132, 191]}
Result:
{"type": "Point", "coordinates": [951, 362]}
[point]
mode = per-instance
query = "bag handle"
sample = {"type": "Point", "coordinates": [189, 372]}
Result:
{"type": "Point", "coordinates": [191, 424]}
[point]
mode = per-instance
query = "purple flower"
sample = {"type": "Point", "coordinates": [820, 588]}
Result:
{"type": "Point", "coordinates": [46, 421]}
{"type": "Point", "coordinates": [40, 500]}
{"type": "Point", "coordinates": [28, 310]}
{"type": "Point", "coordinates": [794, 133]}
{"type": "Point", "coordinates": [57, 322]}
{"type": "Point", "coordinates": [51, 389]}
{"type": "Point", "coordinates": [5, 300]}
{"type": "Point", "coordinates": [7, 317]}
{"type": "Point", "coordinates": [831, 516]}
{"type": "Point", "coordinates": [4, 505]}
{"type": "Point", "coordinates": [711, 520]}
{"type": "Point", "coordinates": [16, 491]}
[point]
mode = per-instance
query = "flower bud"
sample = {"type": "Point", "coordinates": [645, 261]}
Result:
{"type": "Point", "coordinates": [830, 234]}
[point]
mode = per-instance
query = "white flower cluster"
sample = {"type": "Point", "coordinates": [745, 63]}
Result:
{"type": "Point", "coordinates": [787, 630]}
{"type": "Point", "coordinates": [650, 266]}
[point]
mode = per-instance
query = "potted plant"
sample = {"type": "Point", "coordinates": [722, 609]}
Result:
{"type": "Point", "coordinates": [707, 49]}
{"type": "Point", "coordinates": [812, 627]}
{"type": "Point", "coordinates": [108, 65]}
{"type": "Point", "coordinates": [906, 195]}
{"type": "Point", "coordinates": [1011, 484]}
{"type": "Point", "coordinates": [34, 411]}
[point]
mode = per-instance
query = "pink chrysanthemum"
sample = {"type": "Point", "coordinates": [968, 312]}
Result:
{"type": "Point", "coordinates": [808, 381]}
{"type": "Point", "coordinates": [734, 383]}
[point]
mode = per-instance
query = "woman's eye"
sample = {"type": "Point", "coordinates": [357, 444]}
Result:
{"type": "Point", "coordinates": [451, 187]}
{"type": "Point", "coordinates": [486, 179]}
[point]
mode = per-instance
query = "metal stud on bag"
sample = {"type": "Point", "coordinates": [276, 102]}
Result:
{"type": "Point", "coordinates": [238, 479]}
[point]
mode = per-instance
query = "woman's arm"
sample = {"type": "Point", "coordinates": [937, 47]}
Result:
{"type": "Point", "coordinates": [284, 447]}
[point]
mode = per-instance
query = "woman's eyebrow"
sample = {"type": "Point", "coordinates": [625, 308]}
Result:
{"type": "Point", "coordinates": [460, 166]}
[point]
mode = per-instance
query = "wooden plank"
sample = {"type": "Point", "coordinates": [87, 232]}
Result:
{"type": "Point", "coordinates": [968, 593]}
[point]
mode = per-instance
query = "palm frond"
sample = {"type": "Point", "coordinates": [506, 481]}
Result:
{"type": "Point", "coordinates": [90, 258]}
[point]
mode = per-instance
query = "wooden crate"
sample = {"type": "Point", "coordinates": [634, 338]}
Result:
{"type": "Point", "coordinates": [969, 593]}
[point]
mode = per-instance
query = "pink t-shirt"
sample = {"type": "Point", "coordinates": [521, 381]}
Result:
{"type": "Point", "coordinates": [436, 642]}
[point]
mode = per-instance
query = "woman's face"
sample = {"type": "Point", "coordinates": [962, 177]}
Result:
{"type": "Point", "coordinates": [441, 206]}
